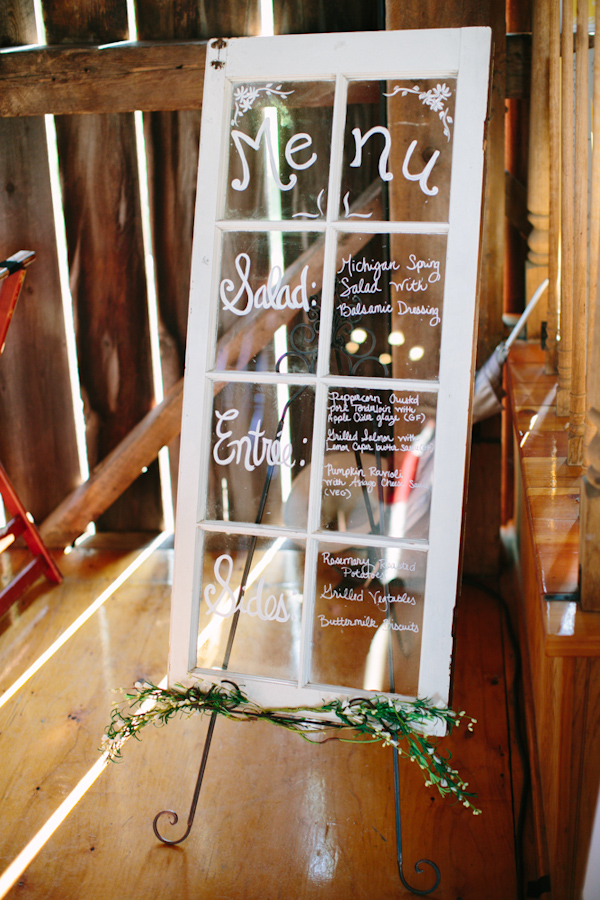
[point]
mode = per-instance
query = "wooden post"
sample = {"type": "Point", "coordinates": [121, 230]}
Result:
{"type": "Point", "coordinates": [566, 281]}
{"type": "Point", "coordinates": [589, 525]}
{"type": "Point", "coordinates": [577, 398]}
{"type": "Point", "coordinates": [594, 245]}
{"type": "Point", "coordinates": [554, 204]}
{"type": "Point", "coordinates": [538, 173]}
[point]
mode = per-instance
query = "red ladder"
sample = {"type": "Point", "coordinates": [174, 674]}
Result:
{"type": "Point", "coordinates": [12, 275]}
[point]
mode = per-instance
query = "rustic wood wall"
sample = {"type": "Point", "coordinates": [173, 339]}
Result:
{"type": "Point", "coordinates": [101, 207]}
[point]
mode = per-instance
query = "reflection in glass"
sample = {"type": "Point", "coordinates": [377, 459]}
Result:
{"type": "Point", "coordinates": [268, 306]}
{"type": "Point", "coordinates": [261, 443]}
{"type": "Point", "coordinates": [389, 294]}
{"type": "Point", "coordinates": [398, 138]}
{"type": "Point", "coordinates": [378, 463]}
{"type": "Point", "coordinates": [368, 618]}
{"type": "Point", "coordinates": [279, 148]}
{"type": "Point", "coordinates": [254, 630]}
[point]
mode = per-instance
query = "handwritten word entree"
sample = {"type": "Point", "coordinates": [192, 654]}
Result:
{"type": "Point", "coordinates": [253, 448]}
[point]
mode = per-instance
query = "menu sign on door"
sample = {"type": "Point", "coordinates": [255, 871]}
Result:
{"type": "Point", "coordinates": [329, 363]}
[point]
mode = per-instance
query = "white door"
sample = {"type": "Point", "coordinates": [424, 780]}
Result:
{"type": "Point", "coordinates": [330, 363]}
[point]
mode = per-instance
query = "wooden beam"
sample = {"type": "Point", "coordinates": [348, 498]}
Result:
{"type": "Point", "coordinates": [145, 75]}
{"type": "Point", "coordinates": [122, 77]}
{"type": "Point", "coordinates": [119, 77]}
{"type": "Point", "coordinates": [116, 472]}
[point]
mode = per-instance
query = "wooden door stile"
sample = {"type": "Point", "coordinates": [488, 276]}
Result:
{"type": "Point", "coordinates": [37, 434]}
{"type": "Point", "coordinates": [97, 155]}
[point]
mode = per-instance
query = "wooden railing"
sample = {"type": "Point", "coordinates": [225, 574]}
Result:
{"type": "Point", "coordinates": [561, 132]}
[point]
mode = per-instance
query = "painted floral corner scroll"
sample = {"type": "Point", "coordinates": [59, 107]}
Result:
{"type": "Point", "coordinates": [245, 96]}
{"type": "Point", "coordinates": [435, 98]}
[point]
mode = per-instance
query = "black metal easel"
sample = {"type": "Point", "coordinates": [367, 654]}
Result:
{"type": "Point", "coordinates": [303, 340]}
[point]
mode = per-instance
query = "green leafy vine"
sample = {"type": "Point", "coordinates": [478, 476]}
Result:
{"type": "Point", "coordinates": [378, 719]}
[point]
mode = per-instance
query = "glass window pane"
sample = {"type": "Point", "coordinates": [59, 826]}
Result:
{"type": "Point", "coordinates": [268, 307]}
{"type": "Point", "coordinates": [368, 613]}
{"type": "Point", "coordinates": [398, 140]}
{"type": "Point", "coordinates": [254, 463]}
{"type": "Point", "coordinates": [389, 307]}
{"type": "Point", "coordinates": [378, 464]}
{"type": "Point", "coordinates": [264, 617]}
{"type": "Point", "coordinates": [279, 148]}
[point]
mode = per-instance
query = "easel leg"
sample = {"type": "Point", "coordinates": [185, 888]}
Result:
{"type": "Point", "coordinates": [399, 856]}
{"type": "Point", "coordinates": [174, 818]}
{"type": "Point", "coordinates": [427, 862]}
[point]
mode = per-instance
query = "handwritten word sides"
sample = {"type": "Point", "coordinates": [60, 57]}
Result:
{"type": "Point", "coordinates": [253, 602]}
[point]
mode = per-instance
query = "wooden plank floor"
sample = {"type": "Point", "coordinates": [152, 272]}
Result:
{"type": "Point", "coordinates": [278, 817]}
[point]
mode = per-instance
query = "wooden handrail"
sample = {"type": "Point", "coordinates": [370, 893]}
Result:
{"type": "Point", "coordinates": [554, 176]}
{"type": "Point", "coordinates": [538, 184]}
{"type": "Point", "coordinates": [566, 282]}
{"type": "Point", "coordinates": [577, 400]}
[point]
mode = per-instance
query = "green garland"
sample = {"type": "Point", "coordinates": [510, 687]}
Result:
{"type": "Point", "coordinates": [378, 719]}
